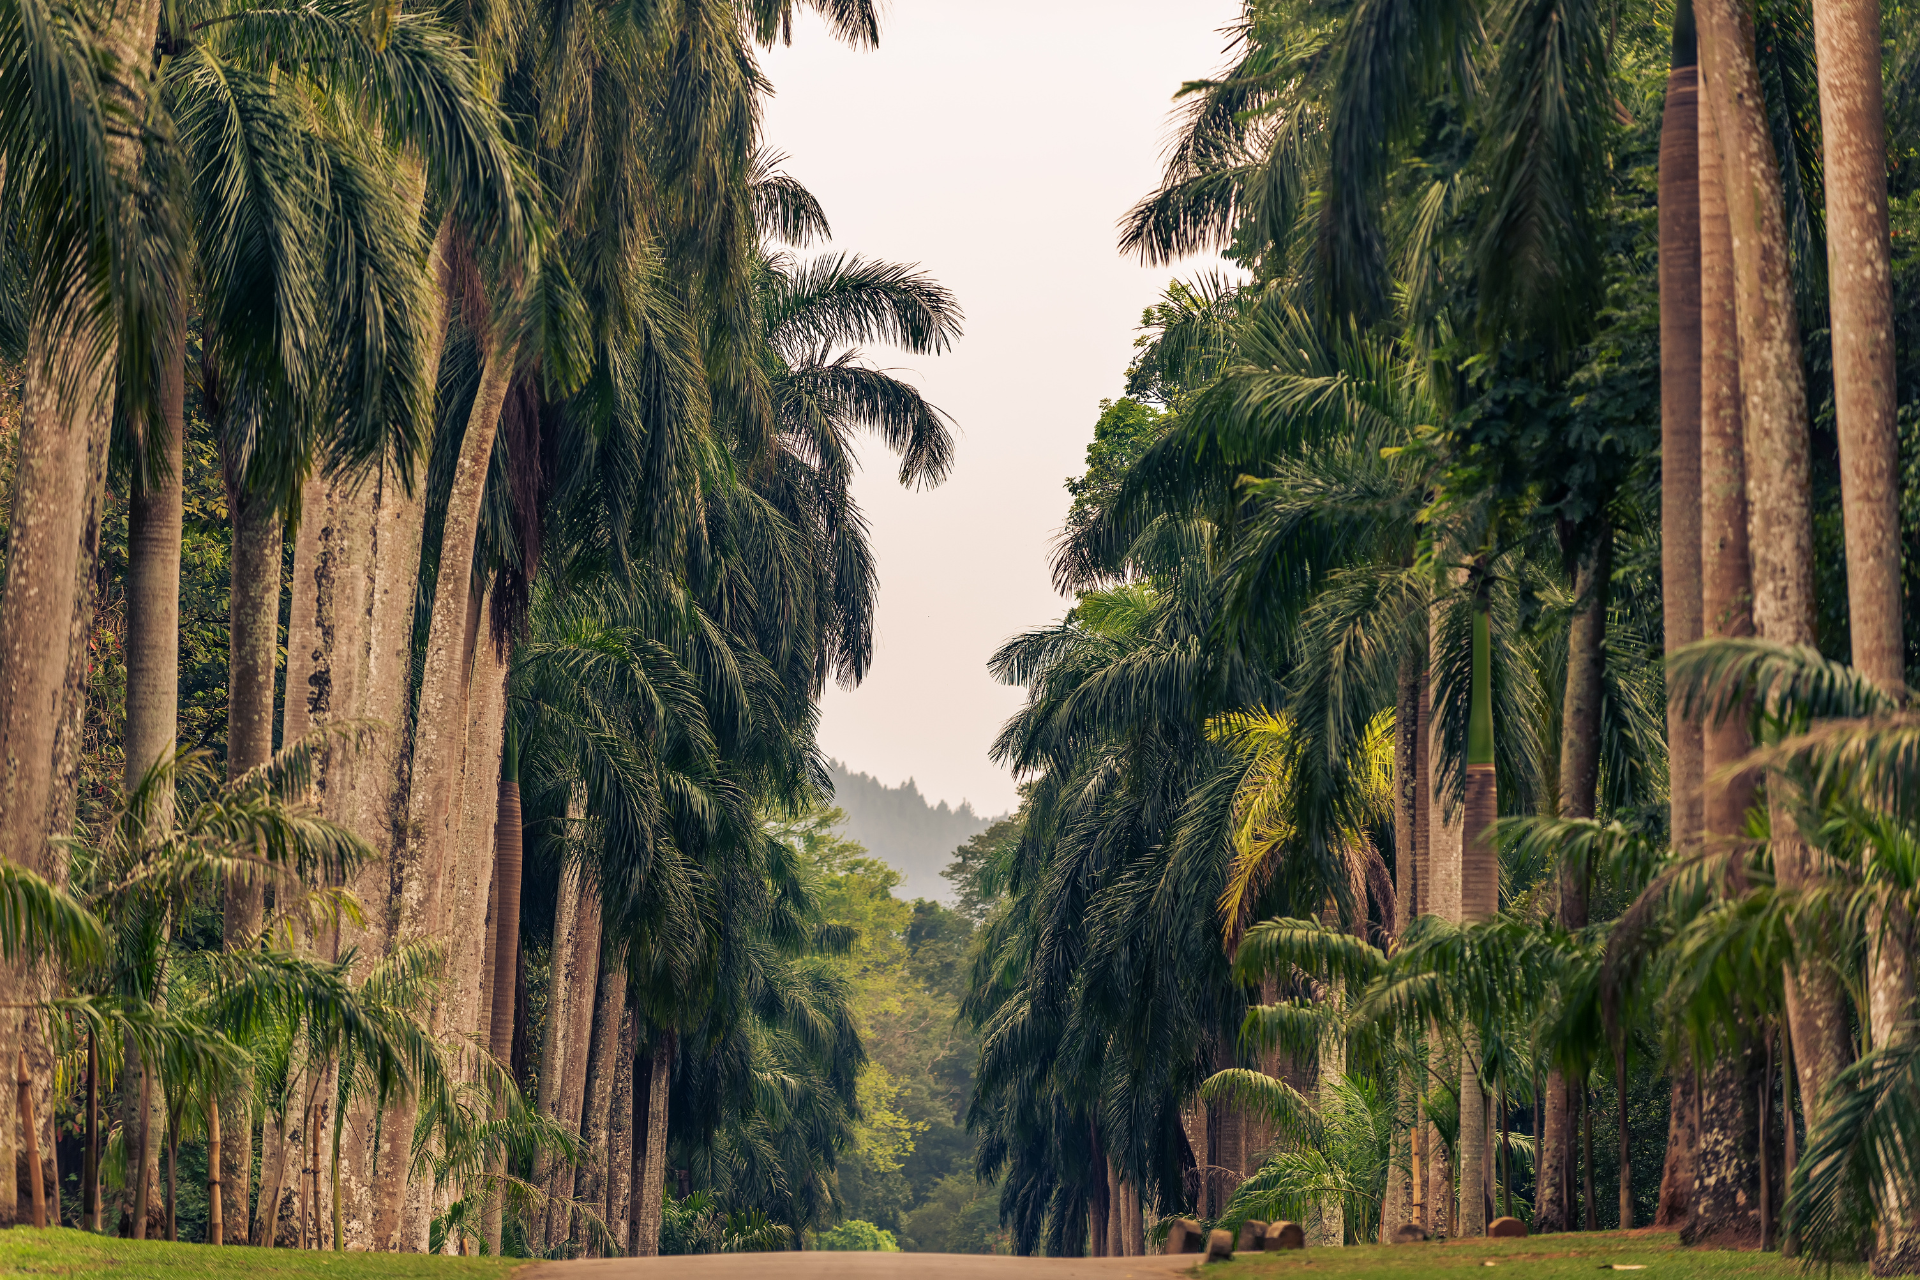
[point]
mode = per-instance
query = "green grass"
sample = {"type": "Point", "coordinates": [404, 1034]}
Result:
{"type": "Point", "coordinates": [1555, 1257]}
{"type": "Point", "coordinates": [60, 1251]}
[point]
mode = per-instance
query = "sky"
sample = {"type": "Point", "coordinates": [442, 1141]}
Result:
{"type": "Point", "coordinates": [996, 143]}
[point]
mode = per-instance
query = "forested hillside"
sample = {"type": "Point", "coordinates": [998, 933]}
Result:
{"type": "Point", "coordinates": [910, 1171]}
{"type": "Point", "coordinates": [902, 828]}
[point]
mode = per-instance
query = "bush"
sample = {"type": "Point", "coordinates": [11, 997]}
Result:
{"type": "Point", "coordinates": [856, 1236]}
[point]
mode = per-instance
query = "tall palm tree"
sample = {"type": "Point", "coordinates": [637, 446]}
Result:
{"type": "Point", "coordinates": [1681, 505]}
{"type": "Point", "coordinates": [1853, 127]}
{"type": "Point", "coordinates": [1773, 387]}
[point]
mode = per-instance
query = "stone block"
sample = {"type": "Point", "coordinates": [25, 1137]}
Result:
{"type": "Point", "coordinates": [1219, 1245]}
{"type": "Point", "coordinates": [1185, 1236]}
{"type": "Point", "coordinates": [1253, 1233]}
{"type": "Point", "coordinates": [1410, 1233]}
{"type": "Point", "coordinates": [1507, 1229]}
{"type": "Point", "coordinates": [1284, 1235]}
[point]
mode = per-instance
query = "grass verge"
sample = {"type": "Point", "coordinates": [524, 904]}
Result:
{"type": "Point", "coordinates": [61, 1251]}
{"type": "Point", "coordinates": [1656, 1255]}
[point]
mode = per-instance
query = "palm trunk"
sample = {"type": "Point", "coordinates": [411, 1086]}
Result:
{"type": "Point", "coordinates": [154, 521]}
{"type": "Point", "coordinates": [1853, 125]}
{"type": "Point", "coordinates": [380, 523]}
{"type": "Point", "coordinates": [470, 859]}
{"type": "Point", "coordinates": [650, 1147]}
{"type": "Point", "coordinates": [506, 947]}
{"type": "Point", "coordinates": [578, 1029]}
{"type": "Point", "coordinates": [438, 751]}
{"type": "Point", "coordinates": [1847, 38]}
{"type": "Point", "coordinates": [1726, 583]}
{"type": "Point", "coordinates": [1099, 1206]}
{"type": "Point", "coordinates": [1779, 508]}
{"type": "Point", "coordinates": [617, 1205]}
{"type": "Point", "coordinates": [1683, 1138]}
{"type": "Point", "coordinates": [1680, 404]}
{"type": "Point", "coordinates": [1724, 1186]}
{"type": "Point", "coordinates": [254, 628]}
{"type": "Point", "coordinates": [1441, 866]}
{"type": "Point", "coordinates": [603, 1055]}
{"type": "Point", "coordinates": [1420, 1141]}
{"type": "Point", "coordinates": [1626, 1166]}
{"type": "Point", "coordinates": [553, 1044]}
{"type": "Point", "coordinates": [1328, 1226]}
{"type": "Point", "coordinates": [90, 1162]}
{"type": "Point", "coordinates": [1398, 1207]}
{"type": "Point", "coordinates": [1479, 900]}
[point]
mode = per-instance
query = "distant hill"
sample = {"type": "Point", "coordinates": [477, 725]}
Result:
{"type": "Point", "coordinates": [898, 825]}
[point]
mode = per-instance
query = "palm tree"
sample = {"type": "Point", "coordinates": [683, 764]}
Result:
{"type": "Point", "coordinates": [1773, 389]}
{"type": "Point", "coordinates": [1853, 125]}
{"type": "Point", "coordinates": [1681, 503]}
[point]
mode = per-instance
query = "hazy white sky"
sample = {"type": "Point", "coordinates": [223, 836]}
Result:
{"type": "Point", "coordinates": [996, 143]}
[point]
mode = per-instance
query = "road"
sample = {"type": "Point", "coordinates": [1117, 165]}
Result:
{"type": "Point", "coordinates": [821, 1265]}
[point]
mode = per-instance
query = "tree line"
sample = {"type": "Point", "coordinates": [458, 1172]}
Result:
{"type": "Point", "coordinates": [1474, 778]}
{"type": "Point", "coordinates": [429, 534]}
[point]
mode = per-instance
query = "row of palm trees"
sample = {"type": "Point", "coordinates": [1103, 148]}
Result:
{"type": "Point", "coordinates": [1364, 827]}
{"type": "Point", "coordinates": [527, 409]}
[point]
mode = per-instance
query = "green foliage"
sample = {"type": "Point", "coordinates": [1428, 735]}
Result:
{"type": "Point", "coordinates": [907, 965]}
{"type": "Point", "coordinates": [1121, 434]}
{"type": "Point", "coordinates": [857, 1236]}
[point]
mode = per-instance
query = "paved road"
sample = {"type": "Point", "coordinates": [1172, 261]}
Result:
{"type": "Point", "coordinates": [822, 1265]}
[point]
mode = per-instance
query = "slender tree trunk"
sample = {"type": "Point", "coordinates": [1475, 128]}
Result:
{"type": "Point", "coordinates": [1726, 585]}
{"type": "Point", "coordinates": [650, 1155]}
{"type": "Point", "coordinates": [506, 947]}
{"type": "Point", "coordinates": [1626, 1150]}
{"type": "Point", "coordinates": [154, 521]}
{"type": "Point", "coordinates": [617, 1206]}
{"type": "Point", "coordinates": [1440, 887]}
{"type": "Point", "coordinates": [1586, 1161]}
{"type": "Point", "coordinates": [564, 986]}
{"type": "Point", "coordinates": [1779, 511]}
{"type": "Point", "coordinates": [578, 1029]}
{"type": "Point", "coordinates": [90, 1162]}
{"type": "Point", "coordinates": [216, 1216]}
{"type": "Point", "coordinates": [1098, 1205]}
{"type": "Point", "coordinates": [1420, 1143]}
{"type": "Point", "coordinates": [1327, 1226]}
{"type": "Point", "coordinates": [609, 1019]}
{"type": "Point", "coordinates": [1398, 1209]}
{"type": "Point", "coordinates": [1680, 405]}
{"type": "Point", "coordinates": [1479, 901]}
{"type": "Point", "coordinates": [1847, 36]}
{"type": "Point", "coordinates": [254, 622]}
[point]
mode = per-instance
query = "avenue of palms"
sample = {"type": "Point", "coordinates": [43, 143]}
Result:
{"type": "Point", "coordinates": [1473, 777]}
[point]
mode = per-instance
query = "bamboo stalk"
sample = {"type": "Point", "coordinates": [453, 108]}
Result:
{"type": "Point", "coordinates": [31, 1137]}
